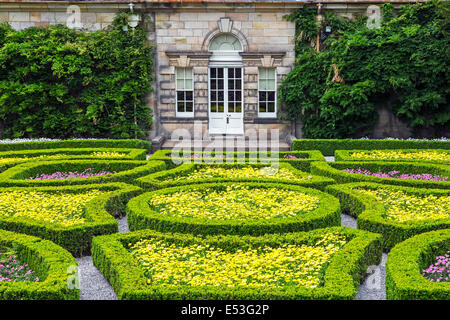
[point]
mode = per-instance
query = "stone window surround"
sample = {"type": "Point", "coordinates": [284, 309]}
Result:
{"type": "Point", "coordinates": [268, 59]}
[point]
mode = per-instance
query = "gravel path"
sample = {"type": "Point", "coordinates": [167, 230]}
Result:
{"type": "Point", "coordinates": [93, 285]}
{"type": "Point", "coordinates": [373, 287]}
{"type": "Point", "coordinates": [330, 158]}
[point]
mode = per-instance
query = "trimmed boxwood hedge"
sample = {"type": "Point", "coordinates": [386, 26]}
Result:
{"type": "Point", "coordinates": [82, 153]}
{"type": "Point", "coordinates": [51, 264]}
{"type": "Point", "coordinates": [341, 280]}
{"type": "Point", "coordinates": [140, 216]}
{"type": "Point", "coordinates": [370, 213]}
{"type": "Point", "coordinates": [302, 163]}
{"type": "Point", "coordinates": [164, 179]}
{"type": "Point", "coordinates": [404, 280]}
{"type": "Point", "coordinates": [99, 214]}
{"type": "Point", "coordinates": [329, 146]}
{"type": "Point", "coordinates": [78, 143]}
{"type": "Point", "coordinates": [344, 155]}
{"type": "Point", "coordinates": [334, 171]}
{"type": "Point", "coordinates": [127, 171]}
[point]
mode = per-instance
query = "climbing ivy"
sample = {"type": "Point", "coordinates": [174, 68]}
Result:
{"type": "Point", "coordinates": [403, 65]}
{"type": "Point", "coordinates": [57, 82]}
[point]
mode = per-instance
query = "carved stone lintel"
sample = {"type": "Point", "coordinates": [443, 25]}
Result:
{"type": "Point", "coordinates": [183, 61]}
{"type": "Point", "coordinates": [225, 24]}
{"type": "Point", "coordinates": [267, 61]}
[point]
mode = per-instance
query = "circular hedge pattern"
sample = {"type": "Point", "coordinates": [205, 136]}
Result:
{"type": "Point", "coordinates": [233, 208]}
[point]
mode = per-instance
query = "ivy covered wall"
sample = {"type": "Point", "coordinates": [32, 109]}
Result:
{"type": "Point", "coordinates": [56, 82]}
{"type": "Point", "coordinates": [402, 66]}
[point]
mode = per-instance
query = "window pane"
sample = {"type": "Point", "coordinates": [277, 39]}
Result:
{"type": "Point", "coordinates": [271, 107]}
{"type": "Point", "coordinates": [263, 85]}
{"type": "Point", "coordinates": [189, 96]}
{"type": "Point", "coordinates": [220, 95]}
{"type": "Point", "coordinates": [237, 73]}
{"type": "Point", "coordinates": [238, 96]}
{"type": "Point", "coordinates": [213, 72]}
{"type": "Point", "coordinates": [271, 73]}
{"type": "Point", "coordinates": [188, 84]}
{"type": "Point", "coordinates": [238, 107]}
{"type": "Point", "coordinates": [262, 107]}
{"type": "Point", "coordinates": [220, 72]}
{"type": "Point", "coordinates": [213, 84]}
{"type": "Point", "coordinates": [180, 107]}
{"type": "Point", "coordinates": [188, 73]}
{"type": "Point", "coordinates": [180, 84]}
{"type": "Point", "coordinates": [180, 95]}
{"type": "Point", "coordinates": [213, 95]}
{"type": "Point", "coordinates": [213, 107]}
{"type": "Point", "coordinates": [238, 84]}
{"type": "Point", "coordinates": [230, 84]}
{"type": "Point", "coordinates": [230, 73]}
{"type": "Point", "coordinates": [271, 96]}
{"type": "Point", "coordinates": [220, 84]}
{"type": "Point", "coordinates": [230, 96]}
{"type": "Point", "coordinates": [262, 73]}
{"type": "Point", "coordinates": [189, 107]}
{"type": "Point", "coordinates": [220, 107]}
{"type": "Point", "coordinates": [270, 84]}
{"type": "Point", "coordinates": [180, 73]}
{"type": "Point", "coordinates": [262, 96]}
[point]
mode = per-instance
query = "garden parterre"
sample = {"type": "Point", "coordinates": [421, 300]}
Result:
{"type": "Point", "coordinates": [320, 264]}
{"type": "Point", "coordinates": [207, 173]}
{"type": "Point", "coordinates": [405, 155]}
{"type": "Point", "coordinates": [233, 208]}
{"type": "Point", "coordinates": [205, 265]}
{"type": "Point", "coordinates": [238, 224]}
{"type": "Point", "coordinates": [398, 213]}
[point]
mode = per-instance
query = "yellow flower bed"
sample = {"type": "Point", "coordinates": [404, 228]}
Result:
{"type": "Point", "coordinates": [402, 207]}
{"type": "Point", "coordinates": [236, 202]}
{"type": "Point", "coordinates": [64, 209]}
{"type": "Point", "coordinates": [401, 155]}
{"type": "Point", "coordinates": [245, 172]}
{"type": "Point", "coordinates": [108, 154]}
{"type": "Point", "coordinates": [203, 265]}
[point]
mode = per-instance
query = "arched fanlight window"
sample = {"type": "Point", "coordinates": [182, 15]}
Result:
{"type": "Point", "coordinates": [225, 49]}
{"type": "Point", "coordinates": [225, 42]}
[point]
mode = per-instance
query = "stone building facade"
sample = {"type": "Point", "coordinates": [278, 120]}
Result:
{"type": "Point", "coordinates": [217, 63]}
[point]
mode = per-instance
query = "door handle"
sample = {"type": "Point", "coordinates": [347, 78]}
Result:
{"type": "Point", "coordinates": [228, 118]}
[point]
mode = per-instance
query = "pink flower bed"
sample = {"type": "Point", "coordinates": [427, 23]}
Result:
{"type": "Point", "coordinates": [398, 175]}
{"type": "Point", "coordinates": [440, 271]}
{"type": "Point", "coordinates": [70, 175]}
{"type": "Point", "coordinates": [13, 270]}
{"type": "Point", "coordinates": [289, 156]}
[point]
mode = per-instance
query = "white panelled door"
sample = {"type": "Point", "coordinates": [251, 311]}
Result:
{"type": "Point", "coordinates": [226, 114]}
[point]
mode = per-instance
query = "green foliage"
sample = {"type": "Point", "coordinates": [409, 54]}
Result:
{"type": "Point", "coordinates": [333, 170]}
{"type": "Point", "coordinates": [166, 178]}
{"type": "Point", "coordinates": [57, 82]}
{"type": "Point", "coordinates": [79, 143]}
{"type": "Point", "coordinates": [51, 263]}
{"type": "Point", "coordinates": [347, 268]}
{"type": "Point", "coordinates": [126, 171]}
{"type": "Point", "coordinates": [371, 213]}
{"type": "Point", "coordinates": [403, 65]}
{"type": "Point", "coordinates": [329, 146]}
{"type": "Point", "coordinates": [141, 216]}
{"type": "Point", "coordinates": [304, 158]}
{"type": "Point", "coordinates": [98, 214]}
{"type": "Point", "coordinates": [404, 280]}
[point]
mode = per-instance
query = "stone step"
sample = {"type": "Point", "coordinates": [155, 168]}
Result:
{"type": "Point", "coordinates": [233, 145]}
